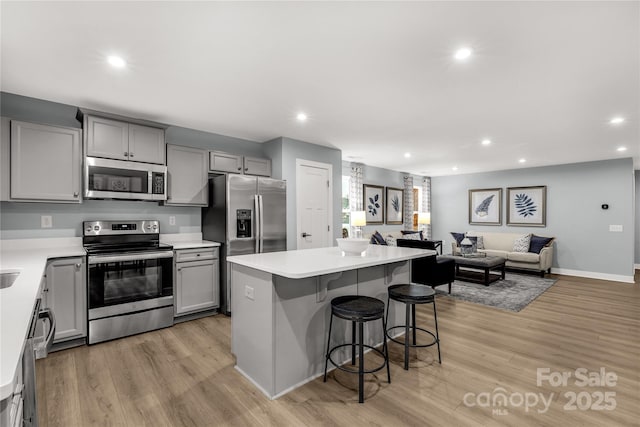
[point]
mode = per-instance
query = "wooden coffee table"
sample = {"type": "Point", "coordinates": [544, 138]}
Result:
{"type": "Point", "coordinates": [479, 270]}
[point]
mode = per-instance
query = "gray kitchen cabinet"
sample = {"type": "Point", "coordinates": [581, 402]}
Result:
{"type": "Point", "coordinates": [65, 293]}
{"type": "Point", "coordinates": [257, 166]}
{"type": "Point", "coordinates": [224, 162]}
{"type": "Point", "coordinates": [45, 163]}
{"type": "Point", "coordinates": [115, 139]}
{"type": "Point", "coordinates": [197, 281]}
{"type": "Point", "coordinates": [188, 180]}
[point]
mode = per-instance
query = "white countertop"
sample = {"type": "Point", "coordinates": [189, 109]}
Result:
{"type": "Point", "coordinates": [314, 262]}
{"type": "Point", "coordinates": [187, 241]}
{"type": "Point", "coordinates": [29, 256]}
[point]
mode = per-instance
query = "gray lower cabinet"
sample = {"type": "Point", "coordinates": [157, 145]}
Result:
{"type": "Point", "coordinates": [65, 293]}
{"type": "Point", "coordinates": [45, 162]}
{"type": "Point", "coordinates": [188, 176]}
{"type": "Point", "coordinates": [197, 282]}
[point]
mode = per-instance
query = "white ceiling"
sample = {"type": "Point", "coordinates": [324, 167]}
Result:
{"type": "Point", "coordinates": [377, 79]}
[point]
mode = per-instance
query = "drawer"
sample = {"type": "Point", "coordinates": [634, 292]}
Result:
{"type": "Point", "coordinates": [184, 255]}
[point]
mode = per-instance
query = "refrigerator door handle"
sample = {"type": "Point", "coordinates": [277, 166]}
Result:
{"type": "Point", "coordinates": [261, 222]}
{"type": "Point", "coordinates": [256, 209]}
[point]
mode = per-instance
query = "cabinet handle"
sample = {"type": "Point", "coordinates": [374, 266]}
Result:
{"type": "Point", "coordinates": [78, 265]}
{"type": "Point", "coordinates": [75, 194]}
{"type": "Point", "coordinates": [246, 169]}
{"type": "Point", "coordinates": [130, 154]}
{"type": "Point", "coordinates": [45, 290]}
{"type": "Point", "coordinates": [197, 254]}
{"type": "Point", "coordinates": [126, 154]}
{"type": "Point", "coordinates": [239, 168]}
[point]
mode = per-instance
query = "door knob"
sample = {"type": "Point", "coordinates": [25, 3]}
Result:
{"type": "Point", "coordinates": [306, 235]}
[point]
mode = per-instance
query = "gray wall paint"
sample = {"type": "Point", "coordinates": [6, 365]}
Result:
{"type": "Point", "coordinates": [22, 220]}
{"type": "Point", "coordinates": [637, 218]}
{"type": "Point", "coordinates": [291, 150]}
{"type": "Point", "coordinates": [574, 195]}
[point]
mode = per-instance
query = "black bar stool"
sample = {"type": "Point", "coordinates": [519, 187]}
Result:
{"type": "Point", "coordinates": [358, 309]}
{"type": "Point", "coordinates": [411, 295]}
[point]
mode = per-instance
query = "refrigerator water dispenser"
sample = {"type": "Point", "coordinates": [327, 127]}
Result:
{"type": "Point", "coordinates": [243, 223]}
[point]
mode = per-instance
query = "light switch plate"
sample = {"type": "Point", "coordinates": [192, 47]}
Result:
{"type": "Point", "coordinates": [46, 221]}
{"type": "Point", "coordinates": [248, 292]}
{"type": "Point", "coordinates": [616, 228]}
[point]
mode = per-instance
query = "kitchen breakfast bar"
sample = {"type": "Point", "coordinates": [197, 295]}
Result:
{"type": "Point", "coordinates": [280, 308]}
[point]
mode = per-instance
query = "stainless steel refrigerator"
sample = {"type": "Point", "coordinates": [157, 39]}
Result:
{"type": "Point", "coordinates": [247, 214]}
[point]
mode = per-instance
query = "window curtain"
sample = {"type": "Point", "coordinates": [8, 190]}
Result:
{"type": "Point", "coordinates": [355, 192]}
{"type": "Point", "coordinates": [426, 202]}
{"type": "Point", "coordinates": [407, 219]}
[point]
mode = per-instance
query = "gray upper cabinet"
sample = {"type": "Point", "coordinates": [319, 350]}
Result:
{"type": "Point", "coordinates": [257, 166]}
{"type": "Point", "coordinates": [115, 139]}
{"type": "Point", "coordinates": [188, 180]}
{"type": "Point", "coordinates": [146, 144]}
{"type": "Point", "coordinates": [224, 162]}
{"type": "Point", "coordinates": [107, 138]}
{"type": "Point", "coordinates": [46, 163]}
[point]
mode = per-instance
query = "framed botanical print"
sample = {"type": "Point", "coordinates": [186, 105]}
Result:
{"type": "Point", "coordinates": [485, 206]}
{"type": "Point", "coordinates": [373, 202]}
{"type": "Point", "coordinates": [527, 206]}
{"type": "Point", "coordinates": [395, 205]}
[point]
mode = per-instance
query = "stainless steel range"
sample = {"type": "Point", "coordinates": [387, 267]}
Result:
{"type": "Point", "coordinates": [130, 278]}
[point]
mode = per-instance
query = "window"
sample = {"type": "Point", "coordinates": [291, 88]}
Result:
{"type": "Point", "coordinates": [345, 204]}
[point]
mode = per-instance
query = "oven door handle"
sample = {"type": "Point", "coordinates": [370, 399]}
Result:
{"type": "Point", "coordinates": [47, 314]}
{"type": "Point", "coordinates": [101, 259]}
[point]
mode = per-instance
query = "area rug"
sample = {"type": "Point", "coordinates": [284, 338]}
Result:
{"type": "Point", "coordinates": [513, 293]}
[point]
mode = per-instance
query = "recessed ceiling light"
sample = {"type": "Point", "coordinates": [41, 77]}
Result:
{"type": "Point", "coordinates": [462, 53]}
{"type": "Point", "coordinates": [522, 160]}
{"type": "Point", "coordinates": [621, 149]}
{"type": "Point", "coordinates": [616, 120]}
{"type": "Point", "coordinates": [407, 155]}
{"type": "Point", "coordinates": [486, 142]}
{"type": "Point", "coordinates": [116, 61]}
{"type": "Point", "coordinates": [455, 168]}
{"type": "Point", "coordinates": [302, 117]}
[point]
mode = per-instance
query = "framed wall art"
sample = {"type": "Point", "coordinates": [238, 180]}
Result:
{"type": "Point", "coordinates": [395, 205]}
{"type": "Point", "coordinates": [527, 206]}
{"type": "Point", "coordinates": [373, 202]}
{"type": "Point", "coordinates": [485, 206]}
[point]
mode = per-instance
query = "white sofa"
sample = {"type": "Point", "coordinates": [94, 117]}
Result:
{"type": "Point", "coordinates": [501, 244]}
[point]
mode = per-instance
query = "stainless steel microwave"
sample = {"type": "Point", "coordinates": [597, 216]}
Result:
{"type": "Point", "coordinates": [120, 179]}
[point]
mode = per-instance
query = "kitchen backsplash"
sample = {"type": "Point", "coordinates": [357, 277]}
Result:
{"type": "Point", "coordinates": [23, 220]}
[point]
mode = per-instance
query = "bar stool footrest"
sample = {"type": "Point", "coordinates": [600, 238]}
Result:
{"type": "Point", "coordinates": [387, 333]}
{"type": "Point", "coordinates": [355, 371]}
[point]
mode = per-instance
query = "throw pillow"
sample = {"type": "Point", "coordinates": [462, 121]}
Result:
{"type": "Point", "coordinates": [377, 239]}
{"type": "Point", "coordinates": [414, 236]}
{"type": "Point", "coordinates": [539, 242]}
{"type": "Point", "coordinates": [474, 243]}
{"type": "Point", "coordinates": [407, 232]}
{"type": "Point", "coordinates": [480, 240]}
{"type": "Point", "coordinates": [458, 237]}
{"type": "Point", "coordinates": [391, 241]}
{"type": "Point", "coordinates": [521, 244]}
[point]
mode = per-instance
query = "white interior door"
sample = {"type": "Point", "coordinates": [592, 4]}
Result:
{"type": "Point", "coordinates": [313, 204]}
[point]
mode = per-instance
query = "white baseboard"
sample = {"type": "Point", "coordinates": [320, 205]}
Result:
{"type": "Point", "coordinates": [593, 275]}
{"type": "Point", "coordinates": [637, 266]}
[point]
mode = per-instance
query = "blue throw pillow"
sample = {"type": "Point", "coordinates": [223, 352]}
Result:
{"type": "Point", "coordinates": [458, 236]}
{"type": "Point", "coordinates": [539, 242]}
{"type": "Point", "coordinates": [405, 232]}
{"type": "Point", "coordinates": [377, 239]}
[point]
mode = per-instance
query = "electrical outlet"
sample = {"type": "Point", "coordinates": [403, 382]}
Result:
{"type": "Point", "coordinates": [248, 292]}
{"type": "Point", "coordinates": [617, 228]}
{"type": "Point", "coordinates": [172, 220]}
{"type": "Point", "coordinates": [46, 221]}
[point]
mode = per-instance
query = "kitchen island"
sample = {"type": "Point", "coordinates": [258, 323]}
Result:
{"type": "Point", "coordinates": [280, 308]}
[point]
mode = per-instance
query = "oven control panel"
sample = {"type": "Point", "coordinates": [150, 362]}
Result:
{"type": "Point", "coordinates": [100, 228]}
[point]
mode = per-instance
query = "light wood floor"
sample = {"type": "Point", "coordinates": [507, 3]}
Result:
{"type": "Point", "coordinates": [184, 375]}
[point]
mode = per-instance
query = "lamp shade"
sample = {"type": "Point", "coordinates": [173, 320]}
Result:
{"type": "Point", "coordinates": [424, 217]}
{"type": "Point", "coordinates": [358, 218]}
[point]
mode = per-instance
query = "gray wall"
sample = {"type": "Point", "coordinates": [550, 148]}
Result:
{"type": "Point", "coordinates": [575, 193]}
{"type": "Point", "coordinates": [284, 167]}
{"type": "Point", "coordinates": [637, 218]}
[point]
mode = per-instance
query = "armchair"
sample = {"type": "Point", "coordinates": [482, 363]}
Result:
{"type": "Point", "coordinates": [431, 270]}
